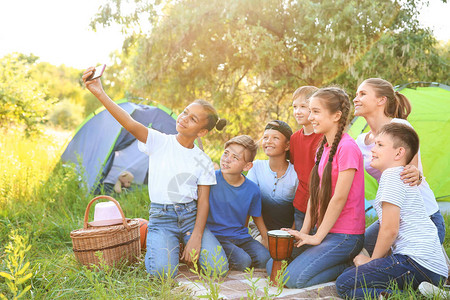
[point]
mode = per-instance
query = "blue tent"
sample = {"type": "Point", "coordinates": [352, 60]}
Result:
{"type": "Point", "coordinates": [101, 148]}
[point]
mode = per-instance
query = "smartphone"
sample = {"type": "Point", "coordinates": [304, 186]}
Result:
{"type": "Point", "coordinates": [98, 72]}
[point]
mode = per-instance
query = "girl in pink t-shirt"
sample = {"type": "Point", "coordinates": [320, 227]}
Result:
{"type": "Point", "coordinates": [333, 230]}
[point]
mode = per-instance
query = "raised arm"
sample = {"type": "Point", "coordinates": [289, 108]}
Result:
{"type": "Point", "coordinates": [138, 130]}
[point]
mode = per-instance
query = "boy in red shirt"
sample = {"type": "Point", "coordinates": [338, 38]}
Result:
{"type": "Point", "coordinates": [303, 150]}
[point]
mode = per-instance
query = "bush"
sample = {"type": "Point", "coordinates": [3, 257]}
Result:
{"type": "Point", "coordinates": [66, 115]}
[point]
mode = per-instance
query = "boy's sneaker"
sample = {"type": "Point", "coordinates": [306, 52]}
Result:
{"type": "Point", "coordinates": [432, 291]}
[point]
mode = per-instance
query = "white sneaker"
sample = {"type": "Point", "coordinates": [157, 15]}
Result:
{"type": "Point", "coordinates": [430, 291]}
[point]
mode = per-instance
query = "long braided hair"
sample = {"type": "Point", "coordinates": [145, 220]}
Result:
{"type": "Point", "coordinates": [334, 100]}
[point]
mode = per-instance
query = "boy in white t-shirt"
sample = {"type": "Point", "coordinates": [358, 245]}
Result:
{"type": "Point", "coordinates": [407, 251]}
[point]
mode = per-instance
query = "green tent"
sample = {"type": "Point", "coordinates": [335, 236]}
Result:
{"type": "Point", "coordinates": [430, 117]}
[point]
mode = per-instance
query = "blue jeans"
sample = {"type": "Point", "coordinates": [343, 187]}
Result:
{"type": "Point", "coordinates": [370, 237]}
{"type": "Point", "coordinates": [438, 220]}
{"type": "Point", "coordinates": [299, 218]}
{"type": "Point", "coordinates": [379, 275]}
{"type": "Point", "coordinates": [322, 263]}
{"type": "Point", "coordinates": [168, 226]}
{"type": "Point", "coordinates": [244, 253]}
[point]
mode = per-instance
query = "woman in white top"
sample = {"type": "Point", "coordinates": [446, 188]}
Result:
{"type": "Point", "coordinates": [379, 104]}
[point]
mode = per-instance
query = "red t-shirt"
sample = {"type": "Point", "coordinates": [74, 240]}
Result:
{"type": "Point", "coordinates": [302, 156]}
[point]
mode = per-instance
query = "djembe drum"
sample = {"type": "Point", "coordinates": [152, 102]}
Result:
{"type": "Point", "coordinates": [281, 244]}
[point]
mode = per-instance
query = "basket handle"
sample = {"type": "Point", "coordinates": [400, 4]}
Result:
{"type": "Point", "coordinates": [86, 214]}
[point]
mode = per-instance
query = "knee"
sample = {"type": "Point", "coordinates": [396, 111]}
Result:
{"type": "Point", "coordinates": [161, 271]}
{"type": "Point", "coordinates": [241, 262]}
{"type": "Point", "coordinates": [269, 265]}
{"type": "Point", "coordinates": [298, 279]}
{"type": "Point", "coordinates": [159, 266]}
{"type": "Point", "coordinates": [344, 285]}
{"type": "Point", "coordinates": [296, 282]}
{"type": "Point", "coordinates": [261, 259]}
{"type": "Point", "coordinates": [216, 262]}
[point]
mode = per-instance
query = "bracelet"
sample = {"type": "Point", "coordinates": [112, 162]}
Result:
{"type": "Point", "coordinates": [420, 177]}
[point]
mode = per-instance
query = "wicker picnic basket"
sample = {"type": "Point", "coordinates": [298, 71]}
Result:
{"type": "Point", "coordinates": [118, 243]}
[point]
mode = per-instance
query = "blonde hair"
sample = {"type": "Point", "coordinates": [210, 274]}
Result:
{"type": "Point", "coordinates": [247, 142]}
{"type": "Point", "coordinates": [304, 92]}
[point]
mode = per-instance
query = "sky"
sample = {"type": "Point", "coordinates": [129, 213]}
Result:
{"type": "Point", "coordinates": [58, 30]}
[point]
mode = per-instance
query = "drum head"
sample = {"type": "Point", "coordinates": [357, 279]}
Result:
{"type": "Point", "coordinates": [279, 233]}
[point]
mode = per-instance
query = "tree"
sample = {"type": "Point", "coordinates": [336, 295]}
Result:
{"type": "Point", "coordinates": [248, 56]}
{"type": "Point", "coordinates": [23, 101]}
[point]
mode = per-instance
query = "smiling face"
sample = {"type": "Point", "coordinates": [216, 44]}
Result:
{"type": "Point", "coordinates": [274, 143]}
{"type": "Point", "coordinates": [322, 120]}
{"type": "Point", "coordinates": [385, 154]}
{"type": "Point", "coordinates": [301, 111]}
{"type": "Point", "coordinates": [233, 160]}
{"type": "Point", "coordinates": [192, 121]}
{"type": "Point", "coordinates": [366, 100]}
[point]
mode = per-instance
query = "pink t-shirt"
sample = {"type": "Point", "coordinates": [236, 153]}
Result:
{"type": "Point", "coordinates": [348, 156]}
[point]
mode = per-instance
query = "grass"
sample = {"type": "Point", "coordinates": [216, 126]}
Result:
{"type": "Point", "coordinates": [42, 201]}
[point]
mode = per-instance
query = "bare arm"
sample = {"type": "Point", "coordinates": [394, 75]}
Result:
{"type": "Point", "coordinates": [262, 229]}
{"type": "Point", "coordinates": [388, 230]}
{"type": "Point", "coordinates": [195, 241]}
{"type": "Point", "coordinates": [306, 227]}
{"type": "Point", "coordinates": [337, 202]}
{"type": "Point", "coordinates": [138, 130]}
{"type": "Point", "coordinates": [386, 236]}
{"type": "Point", "coordinates": [246, 221]}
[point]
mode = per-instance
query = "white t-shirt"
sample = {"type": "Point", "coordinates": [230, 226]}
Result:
{"type": "Point", "coordinates": [417, 235]}
{"type": "Point", "coordinates": [174, 171]}
{"type": "Point", "coordinates": [429, 199]}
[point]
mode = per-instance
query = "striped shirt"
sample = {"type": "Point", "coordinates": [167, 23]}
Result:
{"type": "Point", "coordinates": [428, 197]}
{"type": "Point", "coordinates": [417, 236]}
